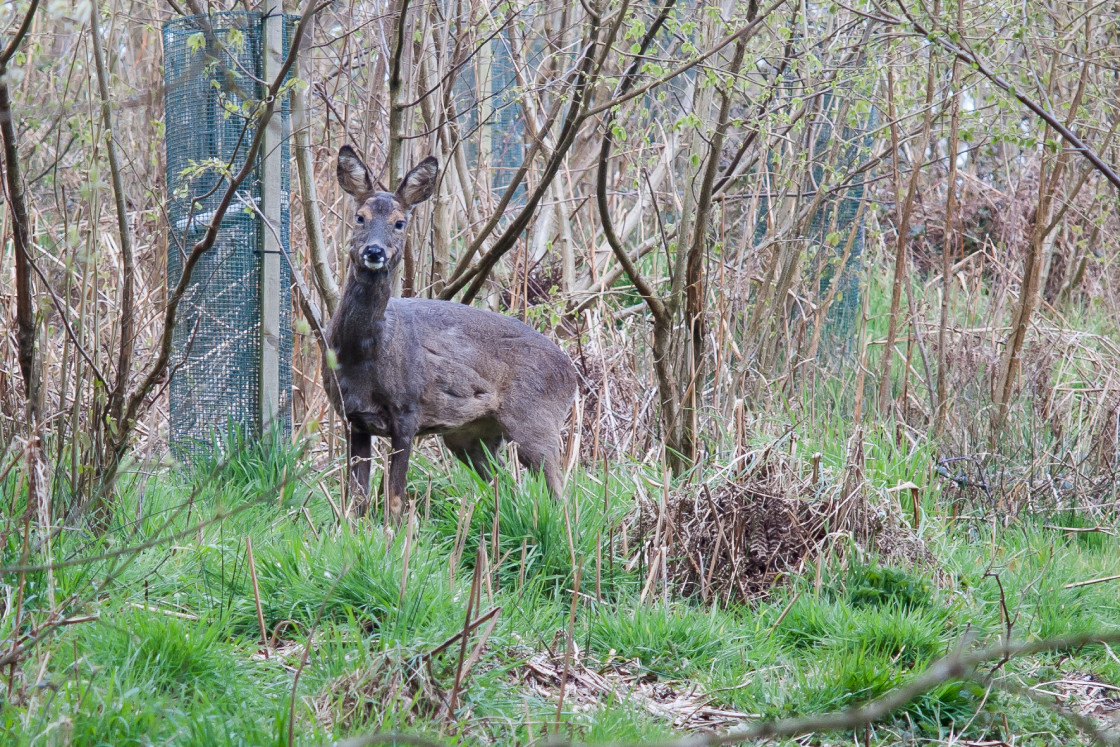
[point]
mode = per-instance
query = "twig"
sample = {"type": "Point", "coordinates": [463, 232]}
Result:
{"type": "Point", "coordinates": [393, 739]}
{"type": "Point", "coordinates": [256, 592]}
{"type": "Point", "coordinates": [1079, 530]}
{"type": "Point", "coordinates": [474, 594]}
{"type": "Point", "coordinates": [162, 611]}
{"type": "Point", "coordinates": [785, 612]}
{"type": "Point", "coordinates": [21, 223]}
{"type": "Point", "coordinates": [1081, 722]}
{"type": "Point", "coordinates": [467, 629]}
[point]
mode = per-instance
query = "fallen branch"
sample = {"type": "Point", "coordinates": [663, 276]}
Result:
{"type": "Point", "coordinates": [958, 665]}
{"type": "Point", "coordinates": [1076, 584]}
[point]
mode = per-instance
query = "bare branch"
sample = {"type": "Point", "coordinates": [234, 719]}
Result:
{"type": "Point", "coordinates": [1049, 118]}
{"type": "Point", "coordinates": [21, 32]}
{"type": "Point", "coordinates": [21, 222]}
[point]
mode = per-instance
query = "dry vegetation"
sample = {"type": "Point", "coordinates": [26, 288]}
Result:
{"type": "Point", "coordinates": [840, 281]}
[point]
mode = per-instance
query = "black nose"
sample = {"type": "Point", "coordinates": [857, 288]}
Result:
{"type": "Point", "coordinates": [373, 254]}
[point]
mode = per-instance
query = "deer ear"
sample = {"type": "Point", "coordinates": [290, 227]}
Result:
{"type": "Point", "coordinates": [419, 184]}
{"type": "Point", "coordinates": [353, 175]}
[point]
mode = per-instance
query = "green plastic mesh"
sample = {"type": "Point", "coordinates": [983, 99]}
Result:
{"type": "Point", "coordinates": [505, 130]}
{"type": "Point", "coordinates": [841, 322]}
{"type": "Point", "coordinates": [843, 315]}
{"type": "Point", "coordinates": [210, 87]}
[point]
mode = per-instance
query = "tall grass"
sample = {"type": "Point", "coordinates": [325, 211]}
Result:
{"type": "Point", "coordinates": [174, 654]}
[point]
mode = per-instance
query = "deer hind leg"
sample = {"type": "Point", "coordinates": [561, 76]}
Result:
{"type": "Point", "coordinates": [538, 448]}
{"type": "Point", "coordinates": [553, 475]}
{"type": "Point", "coordinates": [545, 460]}
{"type": "Point", "coordinates": [475, 450]}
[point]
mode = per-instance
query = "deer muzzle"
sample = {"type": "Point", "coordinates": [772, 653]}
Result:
{"type": "Point", "coordinates": [374, 257]}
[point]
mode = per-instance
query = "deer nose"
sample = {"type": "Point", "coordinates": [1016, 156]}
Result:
{"type": "Point", "coordinates": [373, 257]}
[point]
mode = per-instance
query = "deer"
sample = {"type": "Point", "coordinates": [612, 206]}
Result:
{"type": "Point", "coordinates": [403, 368]}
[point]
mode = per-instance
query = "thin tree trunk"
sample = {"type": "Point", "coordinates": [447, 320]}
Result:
{"type": "Point", "coordinates": [396, 132]}
{"type": "Point", "coordinates": [325, 283]}
{"type": "Point", "coordinates": [565, 242]}
{"type": "Point", "coordinates": [435, 120]}
{"type": "Point", "coordinates": [1037, 252]}
{"type": "Point", "coordinates": [21, 226]}
{"type": "Point", "coordinates": [694, 268]}
{"type": "Point", "coordinates": [904, 211]}
{"type": "Point", "coordinates": [947, 244]}
{"type": "Point", "coordinates": [663, 316]}
{"type": "Point", "coordinates": [1028, 296]}
{"type": "Point", "coordinates": [128, 265]}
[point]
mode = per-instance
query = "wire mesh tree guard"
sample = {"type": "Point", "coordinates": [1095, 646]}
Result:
{"type": "Point", "coordinates": [231, 362]}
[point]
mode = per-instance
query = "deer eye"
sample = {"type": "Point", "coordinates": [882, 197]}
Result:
{"type": "Point", "coordinates": [399, 225]}
{"type": "Point", "coordinates": [360, 219]}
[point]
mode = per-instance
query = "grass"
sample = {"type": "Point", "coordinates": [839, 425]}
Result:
{"type": "Point", "coordinates": [171, 651]}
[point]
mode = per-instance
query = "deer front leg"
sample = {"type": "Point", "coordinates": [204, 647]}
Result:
{"type": "Point", "coordinates": [360, 450]}
{"type": "Point", "coordinates": [398, 473]}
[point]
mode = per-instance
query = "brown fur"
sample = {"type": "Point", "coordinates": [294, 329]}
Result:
{"type": "Point", "coordinates": [409, 367]}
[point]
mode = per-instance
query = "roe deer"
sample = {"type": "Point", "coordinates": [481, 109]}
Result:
{"type": "Point", "coordinates": [407, 367]}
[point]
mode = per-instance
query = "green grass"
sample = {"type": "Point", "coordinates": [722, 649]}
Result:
{"type": "Point", "coordinates": [173, 655]}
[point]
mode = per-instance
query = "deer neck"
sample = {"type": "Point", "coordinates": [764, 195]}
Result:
{"type": "Point", "coordinates": [363, 304]}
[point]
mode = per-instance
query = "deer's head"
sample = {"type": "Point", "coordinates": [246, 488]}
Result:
{"type": "Point", "coordinates": [381, 218]}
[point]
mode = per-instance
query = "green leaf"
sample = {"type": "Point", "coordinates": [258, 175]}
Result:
{"type": "Point", "coordinates": [235, 39]}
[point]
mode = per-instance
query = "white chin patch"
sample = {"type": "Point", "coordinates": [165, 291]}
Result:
{"type": "Point", "coordinates": [374, 264]}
